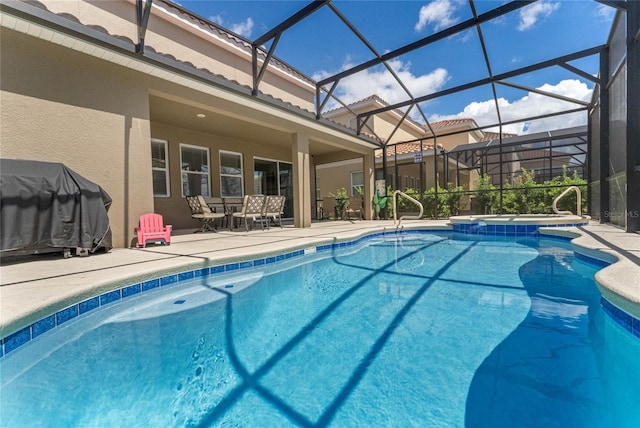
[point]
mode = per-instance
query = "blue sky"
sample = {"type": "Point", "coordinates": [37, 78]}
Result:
{"type": "Point", "coordinates": [321, 45]}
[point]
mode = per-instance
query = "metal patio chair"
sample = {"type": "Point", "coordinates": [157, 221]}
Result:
{"type": "Point", "coordinates": [274, 209]}
{"type": "Point", "coordinates": [201, 212]}
{"type": "Point", "coordinates": [252, 208]}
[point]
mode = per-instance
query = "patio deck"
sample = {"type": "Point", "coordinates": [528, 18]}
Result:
{"type": "Point", "coordinates": [35, 287]}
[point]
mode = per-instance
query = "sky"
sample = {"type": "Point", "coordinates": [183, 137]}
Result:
{"type": "Point", "coordinates": [322, 45]}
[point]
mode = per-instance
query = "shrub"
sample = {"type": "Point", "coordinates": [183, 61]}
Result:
{"type": "Point", "coordinates": [525, 197]}
{"type": "Point", "coordinates": [568, 203]}
{"type": "Point", "coordinates": [486, 195]}
{"type": "Point", "coordinates": [404, 204]}
{"type": "Point", "coordinates": [430, 203]}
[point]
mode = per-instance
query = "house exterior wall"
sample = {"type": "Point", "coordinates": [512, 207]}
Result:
{"type": "Point", "coordinates": [171, 33]}
{"type": "Point", "coordinates": [334, 176]}
{"type": "Point", "coordinates": [58, 105]}
{"type": "Point", "coordinates": [78, 101]}
{"type": "Point", "coordinates": [385, 124]}
{"type": "Point", "coordinates": [174, 208]}
{"type": "Point", "coordinates": [451, 141]}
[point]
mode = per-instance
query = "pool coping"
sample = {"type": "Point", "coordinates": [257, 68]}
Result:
{"type": "Point", "coordinates": [622, 296]}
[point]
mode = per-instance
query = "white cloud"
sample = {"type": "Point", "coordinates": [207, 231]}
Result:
{"type": "Point", "coordinates": [217, 19]}
{"type": "Point", "coordinates": [243, 28]}
{"type": "Point", "coordinates": [532, 104]}
{"type": "Point", "coordinates": [438, 12]}
{"type": "Point", "coordinates": [382, 83]}
{"type": "Point", "coordinates": [529, 15]}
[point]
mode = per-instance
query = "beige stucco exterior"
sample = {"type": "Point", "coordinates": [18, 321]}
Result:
{"type": "Point", "coordinates": [61, 106]}
{"type": "Point", "coordinates": [87, 100]}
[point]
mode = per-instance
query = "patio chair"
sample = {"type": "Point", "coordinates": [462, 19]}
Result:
{"type": "Point", "coordinates": [357, 202]}
{"type": "Point", "coordinates": [151, 228]}
{"type": "Point", "coordinates": [274, 209]}
{"type": "Point", "coordinates": [216, 205]}
{"type": "Point", "coordinates": [201, 212]}
{"type": "Point", "coordinates": [252, 207]}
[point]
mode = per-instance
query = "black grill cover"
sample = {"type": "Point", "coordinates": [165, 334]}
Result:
{"type": "Point", "coordinates": [47, 205]}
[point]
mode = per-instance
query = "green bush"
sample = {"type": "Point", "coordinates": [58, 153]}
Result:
{"type": "Point", "coordinates": [528, 197]}
{"type": "Point", "coordinates": [486, 196]}
{"type": "Point", "coordinates": [449, 201]}
{"type": "Point", "coordinates": [567, 203]}
{"type": "Point", "coordinates": [525, 197]}
{"type": "Point", "coordinates": [405, 205]}
{"type": "Point", "coordinates": [452, 198]}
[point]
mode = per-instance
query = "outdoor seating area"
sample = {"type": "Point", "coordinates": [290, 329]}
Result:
{"type": "Point", "coordinates": [250, 210]}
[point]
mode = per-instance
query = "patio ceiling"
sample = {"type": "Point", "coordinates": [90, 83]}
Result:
{"type": "Point", "coordinates": [186, 116]}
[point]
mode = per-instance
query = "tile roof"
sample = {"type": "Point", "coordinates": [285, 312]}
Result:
{"type": "Point", "coordinates": [406, 149]}
{"type": "Point", "coordinates": [450, 123]}
{"type": "Point", "coordinates": [488, 136]}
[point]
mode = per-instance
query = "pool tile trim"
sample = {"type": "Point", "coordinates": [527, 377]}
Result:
{"type": "Point", "coordinates": [625, 320]}
{"type": "Point", "coordinates": [519, 230]}
{"type": "Point", "coordinates": [23, 336]}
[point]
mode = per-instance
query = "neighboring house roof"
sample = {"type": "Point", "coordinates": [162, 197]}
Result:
{"type": "Point", "coordinates": [370, 102]}
{"type": "Point", "coordinates": [488, 136]}
{"type": "Point", "coordinates": [453, 123]}
{"type": "Point", "coordinates": [405, 149]}
{"type": "Point", "coordinates": [537, 154]}
{"type": "Point", "coordinates": [440, 127]}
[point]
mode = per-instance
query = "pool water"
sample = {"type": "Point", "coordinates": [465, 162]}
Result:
{"type": "Point", "coordinates": [416, 330]}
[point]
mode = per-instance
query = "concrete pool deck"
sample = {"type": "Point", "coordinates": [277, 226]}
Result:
{"type": "Point", "coordinates": [34, 287]}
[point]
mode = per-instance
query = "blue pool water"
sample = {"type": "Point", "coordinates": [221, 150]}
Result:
{"type": "Point", "coordinates": [416, 330]}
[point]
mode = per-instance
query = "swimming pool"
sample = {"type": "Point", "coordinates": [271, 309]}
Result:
{"type": "Point", "coordinates": [409, 330]}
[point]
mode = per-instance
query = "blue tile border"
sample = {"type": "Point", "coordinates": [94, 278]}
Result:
{"type": "Point", "coordinates": [625, 320]}
{"type": "Point", "coordinates": [482, 228]}
{"type": "Point", "coordinates": [19, 338]}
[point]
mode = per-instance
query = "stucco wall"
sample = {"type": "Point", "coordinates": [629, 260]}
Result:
{"type": "Point", "coordinates": [60, 106]}
{"type": "Point", "coordinates": [171, 33]}
{"type": "Point", "coordinates": [174, 208]}
{"type": "Point", "coordinates": [332, 177]}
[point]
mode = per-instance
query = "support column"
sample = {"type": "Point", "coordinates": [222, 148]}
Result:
{"type": "Point", "coordinates": [368, 177]}
{"type": "Point", "coordinates": [301, 180]}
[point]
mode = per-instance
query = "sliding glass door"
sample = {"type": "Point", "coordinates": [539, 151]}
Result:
{"type": "Point", "coordinates": [272, 177]}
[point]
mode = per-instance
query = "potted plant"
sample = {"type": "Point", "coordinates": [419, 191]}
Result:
{"type": "Point", "coordinates": [342, 202]}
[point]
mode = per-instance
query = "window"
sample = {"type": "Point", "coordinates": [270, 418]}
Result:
{"type": "Point", "coordinates": [230, 174]}
{"type": "Point", "coordinates": [357, 183]}
{"type": "Point", "coordinates": [195, 170]}
{"type": "Point", "coordinates": [160, 167]}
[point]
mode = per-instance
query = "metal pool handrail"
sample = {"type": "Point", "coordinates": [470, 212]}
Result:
{"type": "Point", "coordinates": [408, 217]}
{"type": "Point", "coordinates": [561, 195]}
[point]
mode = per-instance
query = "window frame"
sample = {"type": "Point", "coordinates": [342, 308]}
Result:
{"type": "Point", "coordinates": [165, 143]}
{"type": "Point", "coordinates": [221, 174]}
{"type": "Point", "coordinates": [352, 188]}
{"type": "Point", "coordinates": [182, 171]}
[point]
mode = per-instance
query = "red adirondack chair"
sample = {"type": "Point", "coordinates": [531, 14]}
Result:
{"type": "Point", "coordinates": [152, 229]}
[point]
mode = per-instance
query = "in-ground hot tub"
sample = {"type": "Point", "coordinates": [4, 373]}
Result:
{"type": "Point", "coordinates": [513, 224]}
